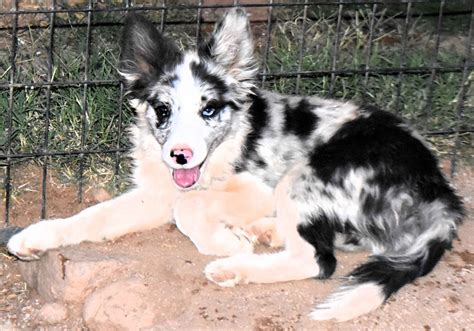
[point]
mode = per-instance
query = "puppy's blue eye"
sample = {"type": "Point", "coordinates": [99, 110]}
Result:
{"type": "Point", "coordinates": [209, 112]}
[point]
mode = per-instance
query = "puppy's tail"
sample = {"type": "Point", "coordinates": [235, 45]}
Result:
{"type": "Point", "coordinates": [372, 283]}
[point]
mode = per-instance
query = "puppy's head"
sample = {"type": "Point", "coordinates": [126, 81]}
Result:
{"type": "Point", "coordinates": [189, 99]}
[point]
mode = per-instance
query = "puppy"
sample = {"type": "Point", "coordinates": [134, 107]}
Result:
{"type": "Point", "coordinates": [229, 162]}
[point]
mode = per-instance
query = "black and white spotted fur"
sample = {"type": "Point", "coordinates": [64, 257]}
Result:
{"type": "Point", "coordinates": [368, 180]}
{"type": "Point", "coordinates": [363, 178]}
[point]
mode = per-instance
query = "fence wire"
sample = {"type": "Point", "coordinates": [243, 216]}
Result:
{"type": "Point", "coordinates": [57, 70]}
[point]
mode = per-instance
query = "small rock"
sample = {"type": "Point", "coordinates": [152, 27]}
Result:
{"type": "Point", "coordinates": [69, 274]}
{"type": "Point", "coordinates": [52, 313]}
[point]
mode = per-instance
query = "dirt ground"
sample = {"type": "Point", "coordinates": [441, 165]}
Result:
{"type": "Point", "coordinates": [171, 269]}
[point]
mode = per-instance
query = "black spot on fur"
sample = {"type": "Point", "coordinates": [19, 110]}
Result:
{"type": "Point", "coordinates": [320, 232]}
{"type": "Point", "coordinates": [327, 264]}
{"type": "Point", "coordinates": [352, 236]}
{"type": "Point", "coordinates": [393, 273]}
{"type": "Point", "coordinates": [436, 249]}
{"type": "Point", "coordinates": [199, 71]}
{"type": "Point", "coordinates": [205, 49]}
{"type": "Point", "coordinates": [169, 80]}
{"type": "Point", "coordinates": [348, 228]}
{"type": "Point", "coordinates": [352, 240]}
{"type": "Point", "coordinates": [261, 163]}
{"type": "Point", "coordinates": [376, 231]}
{"type": "Point", "coordinates": [233, 105]}
{"type": "Point", "coordinates": [379, 142]}
{"type": "Point", "coordinates": [258, 118]}
{"type": "Point", "coordinates": [145, 53]}
{"type": "Point", "coordinates": [300, 120]}
{"type": "Point", "coordinates": [371, 204]}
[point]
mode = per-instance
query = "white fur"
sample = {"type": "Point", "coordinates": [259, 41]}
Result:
{"type": "Point", "coordinates": [349, 303]}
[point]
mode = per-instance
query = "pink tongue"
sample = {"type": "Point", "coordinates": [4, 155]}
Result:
{"type": "Point", "coordinates": [186, 177]}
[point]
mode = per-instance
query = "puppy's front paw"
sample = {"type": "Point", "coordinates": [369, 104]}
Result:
{"type": "Point", "coordinates": [242, 243]}
{"type": "Point", "coordinates": [225, 272]}
{"type": "Point", "coordinates": [226, 241]}
{"type": "Point", "coordinates": [20, 246]}
{"type": "Point", "coordinates": [29, 243]}
{"type": "Point", "coordinates": [264, 231]}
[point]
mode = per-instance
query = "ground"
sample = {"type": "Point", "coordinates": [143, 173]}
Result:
{"type": "Point", "coordinates": [169, 269]}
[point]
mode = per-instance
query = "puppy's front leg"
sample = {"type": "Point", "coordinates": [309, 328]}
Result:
{"type": "Point", "coordinates": [135, 210]}
{"type": "Point", "coordinates": [213, 219]}
{"type": "Point", "coordinates": [265, 231]}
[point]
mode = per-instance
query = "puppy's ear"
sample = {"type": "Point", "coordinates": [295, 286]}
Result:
{"type": "Point", "coordinates": [231, 46]}
{"type": "Point", "coordinates": [145, 52]}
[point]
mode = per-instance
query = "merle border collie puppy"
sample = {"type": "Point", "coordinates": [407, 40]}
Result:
{"type": "Point", "coordinates": [232, 165]}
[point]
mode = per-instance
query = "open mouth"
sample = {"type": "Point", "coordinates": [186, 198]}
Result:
{"type": "Point", "coordinates": [185, 178]}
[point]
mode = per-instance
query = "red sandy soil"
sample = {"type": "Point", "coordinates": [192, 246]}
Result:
{"type": "Point", "coordinates": [172, 270]}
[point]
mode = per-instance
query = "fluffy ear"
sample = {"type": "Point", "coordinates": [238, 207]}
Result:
{"type": "Point", "coordinates": [231, 45]}
{"type": "Point", "coordinates": [145, 52]}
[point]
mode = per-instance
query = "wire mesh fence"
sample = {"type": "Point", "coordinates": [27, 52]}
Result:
{"type": "Point", "coordinates": [63, 109]}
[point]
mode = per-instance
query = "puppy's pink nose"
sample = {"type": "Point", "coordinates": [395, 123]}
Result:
{"type": "Point", "coordinates": [181, 155]}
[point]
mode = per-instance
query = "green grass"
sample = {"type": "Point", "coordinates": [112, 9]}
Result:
{"type": "Point", "coordinates": [428, 112]}
{"type": "Point", "coordinates": [102, 125]}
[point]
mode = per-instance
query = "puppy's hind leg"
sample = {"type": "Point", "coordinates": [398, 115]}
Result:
{"type": "Point", "coordinates": [299, 260]}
